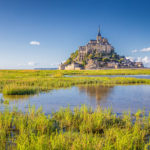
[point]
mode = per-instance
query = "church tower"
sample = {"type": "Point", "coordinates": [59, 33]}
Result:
{"type": "Point", "coordinates": [99, 37]}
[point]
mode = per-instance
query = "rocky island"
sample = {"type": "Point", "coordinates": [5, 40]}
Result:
{"type": "Point", "coordinates": [97, 54]}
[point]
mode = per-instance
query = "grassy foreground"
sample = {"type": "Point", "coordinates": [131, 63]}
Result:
{"type": "Point", "coordinates": [26, 82]}
{"type": "Point", "coordinates": [80, 129]}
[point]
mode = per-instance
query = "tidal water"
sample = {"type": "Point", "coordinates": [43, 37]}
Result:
{"type": "Point", "coordinates": [112, 76]}
{"type": "Point", "coordinates": [119, 98]}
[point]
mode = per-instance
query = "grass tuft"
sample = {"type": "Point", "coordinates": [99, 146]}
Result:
{"type": "Point", "coordinates": [19, 90]}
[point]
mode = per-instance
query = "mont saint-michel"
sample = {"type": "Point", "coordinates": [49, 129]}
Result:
{"type": "Point", "coordinates": [97, 54]}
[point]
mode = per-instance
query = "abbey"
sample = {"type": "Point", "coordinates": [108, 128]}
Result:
{"type": "Point", "coordinates": [101, 45]}
{"type": "Point", "coordinates": [97, 54]}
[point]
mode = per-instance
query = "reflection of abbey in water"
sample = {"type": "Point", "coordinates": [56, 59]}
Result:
{"type": "Point", "coordinates": [96, 92]}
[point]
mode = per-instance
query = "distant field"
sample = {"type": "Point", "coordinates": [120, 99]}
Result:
{"type": "Point", "coordinates": [21, 82]}
{"type": "Point", "coordinates": [108, 72]}
{"type": "Point", "coordinates": [36, 73]}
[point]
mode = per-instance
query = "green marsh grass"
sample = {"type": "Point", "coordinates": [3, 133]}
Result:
{"type": "Point", "coordinates": [33, 86]}
{"type": "Point", "coordinates": [19, 90]}
{"type": "Point", "coordinates": [26, 82]}
{"type": "Point", "coordinates": [73, 130]}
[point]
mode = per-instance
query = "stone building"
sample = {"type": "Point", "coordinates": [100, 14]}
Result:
{"type": "Point", "coordinates": [139, 64]}
{"type": "Point", "coordinates": [112, 65]}
{"type": "Point", "coordinates": [62, 66]}
{"type": "Point", "coordinates": [100, 45]}
{"type": "Point", "coordinates": [73, 66]}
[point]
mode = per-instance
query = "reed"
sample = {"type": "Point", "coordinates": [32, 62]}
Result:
{"type": "Point", "coordinates": [35, 85]}
{"type": "Point", "coordinates": [81, 128]}
{"type": "Point", "coordinates": [19, 90]}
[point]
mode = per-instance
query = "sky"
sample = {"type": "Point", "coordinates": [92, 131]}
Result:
{"type": "Point", "coordinates": [43, 33]}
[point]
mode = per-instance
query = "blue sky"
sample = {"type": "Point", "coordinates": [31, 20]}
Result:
{"type": "Point", "coordinates": [43, 33]}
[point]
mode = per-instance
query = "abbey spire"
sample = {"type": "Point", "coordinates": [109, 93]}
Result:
{"type": "Point", "coordinates": [99, 35]}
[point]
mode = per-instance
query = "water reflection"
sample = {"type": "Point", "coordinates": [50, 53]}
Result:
{"type": "Point", "coordinates": [18, 97]}
{"type": "Point", "coordinates": [98, 93]}
{"type": "Point", "coordinates": [112, 76]}
{"type": "Point", "coordinates": [120, 98]}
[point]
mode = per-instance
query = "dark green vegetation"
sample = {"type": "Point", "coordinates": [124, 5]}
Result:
{"type": "Point", "coordinates": [19, 90]}
{"type": "Point", "coordinates": [23, 82]}
{"type": "Point", "coordinates": [72, 57]}
{"type": "Point", "coordinates": [80, 129]}
{"type": "Point", "coordinates": [95, 59]}
{"type": "Point", "coordinates": [103, 57]}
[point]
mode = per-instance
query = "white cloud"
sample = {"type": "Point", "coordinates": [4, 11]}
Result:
{"type": "Point", "coordinates": [145, 49]}
{"type": "Point", "coordinates": [145, 60]}
{"type": "Point", "coordinates": [35, 43]}
{"type": "Point", "coordinates": [28, 64]}
{"type": "Point", "coordinates": [141, 50]}
{"type": "Point", "coordinates": [134, 51]}
{"type": "Point", "coordinates": [31, 63]}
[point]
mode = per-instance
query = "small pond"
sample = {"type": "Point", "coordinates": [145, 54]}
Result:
{"type": "Point", "coordinates": [120, 98]}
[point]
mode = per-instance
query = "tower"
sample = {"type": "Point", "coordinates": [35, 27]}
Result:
{"type": "Point", "coordinates": [99, 35]}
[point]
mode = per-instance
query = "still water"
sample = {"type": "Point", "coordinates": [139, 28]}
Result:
{"type": "Point", "coordinates": [112, 76]}
{"type": "Point", "coordinates": [120, 98]}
